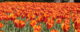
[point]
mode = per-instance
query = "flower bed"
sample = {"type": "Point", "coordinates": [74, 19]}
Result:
{"type": "Point", "coordinates": [39, 17]}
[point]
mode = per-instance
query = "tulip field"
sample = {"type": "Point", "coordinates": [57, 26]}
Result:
{"type": "Point", "coordinates": [39, 17]}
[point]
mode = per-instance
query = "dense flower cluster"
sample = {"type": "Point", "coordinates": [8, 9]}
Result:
{"type": "Point", "coordinates": [56, 17]}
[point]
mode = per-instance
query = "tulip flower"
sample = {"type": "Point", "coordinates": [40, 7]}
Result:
{"type": "Point", "coordinates": [59, 20]}
{"type": "Point", "coordinates": [37, 28]}
{"type": "Point", "coordinates": [65, 27]}
{"type": "Point", "coordinates": [33, 23]}
{"type": "Point", "coordinates": [12, 16]}
{"type": "Point", "coordinates": [53, 30]}
{"type": "Point", "coordinates": [49, 23]}
{"type": "Point", "coordinates": [1, 25]}
{"type": "Point", "coordinates": [19, 23]}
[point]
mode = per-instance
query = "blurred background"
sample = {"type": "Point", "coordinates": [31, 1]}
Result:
{"type": "Point", "coordinates": [44, 0]}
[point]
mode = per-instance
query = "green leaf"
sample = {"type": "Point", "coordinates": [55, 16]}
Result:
{"type": "Point", "coordinates": [71, 26]}
{"type": "Point", "coordinates": [44, 28]}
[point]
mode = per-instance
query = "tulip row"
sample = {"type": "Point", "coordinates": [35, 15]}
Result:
{"type": "Point", "coordinates": [39, 17]}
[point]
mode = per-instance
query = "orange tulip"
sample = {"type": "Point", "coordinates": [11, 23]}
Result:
{"type": "Point", "coordinates": [50, 23]}
{"type": "Point", "coordinates": [39, 19]}
{"type": "Point", "coordinates": [31, 16]}
{"type": "Point", "coordinates": [1, 25]}
{"type": "Point", "coordinates": [12, 16]}
{"type": "Point", "coordinates": [53, 30]}
{"type": "Point", "coordinates": [65, 27]}
{"type": "Point", "coordinates": [78, 30]}
{"type": "Point", "coordinates": [33, 23]}
{"type": "Point", "coordinates": [37, 27]}
{"type": "Point", "coordinates": [36, 31]}
{"type": "Point", "coordinates": [66, 21]}
{"type": "Point", "coordinates": [19, 23]}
